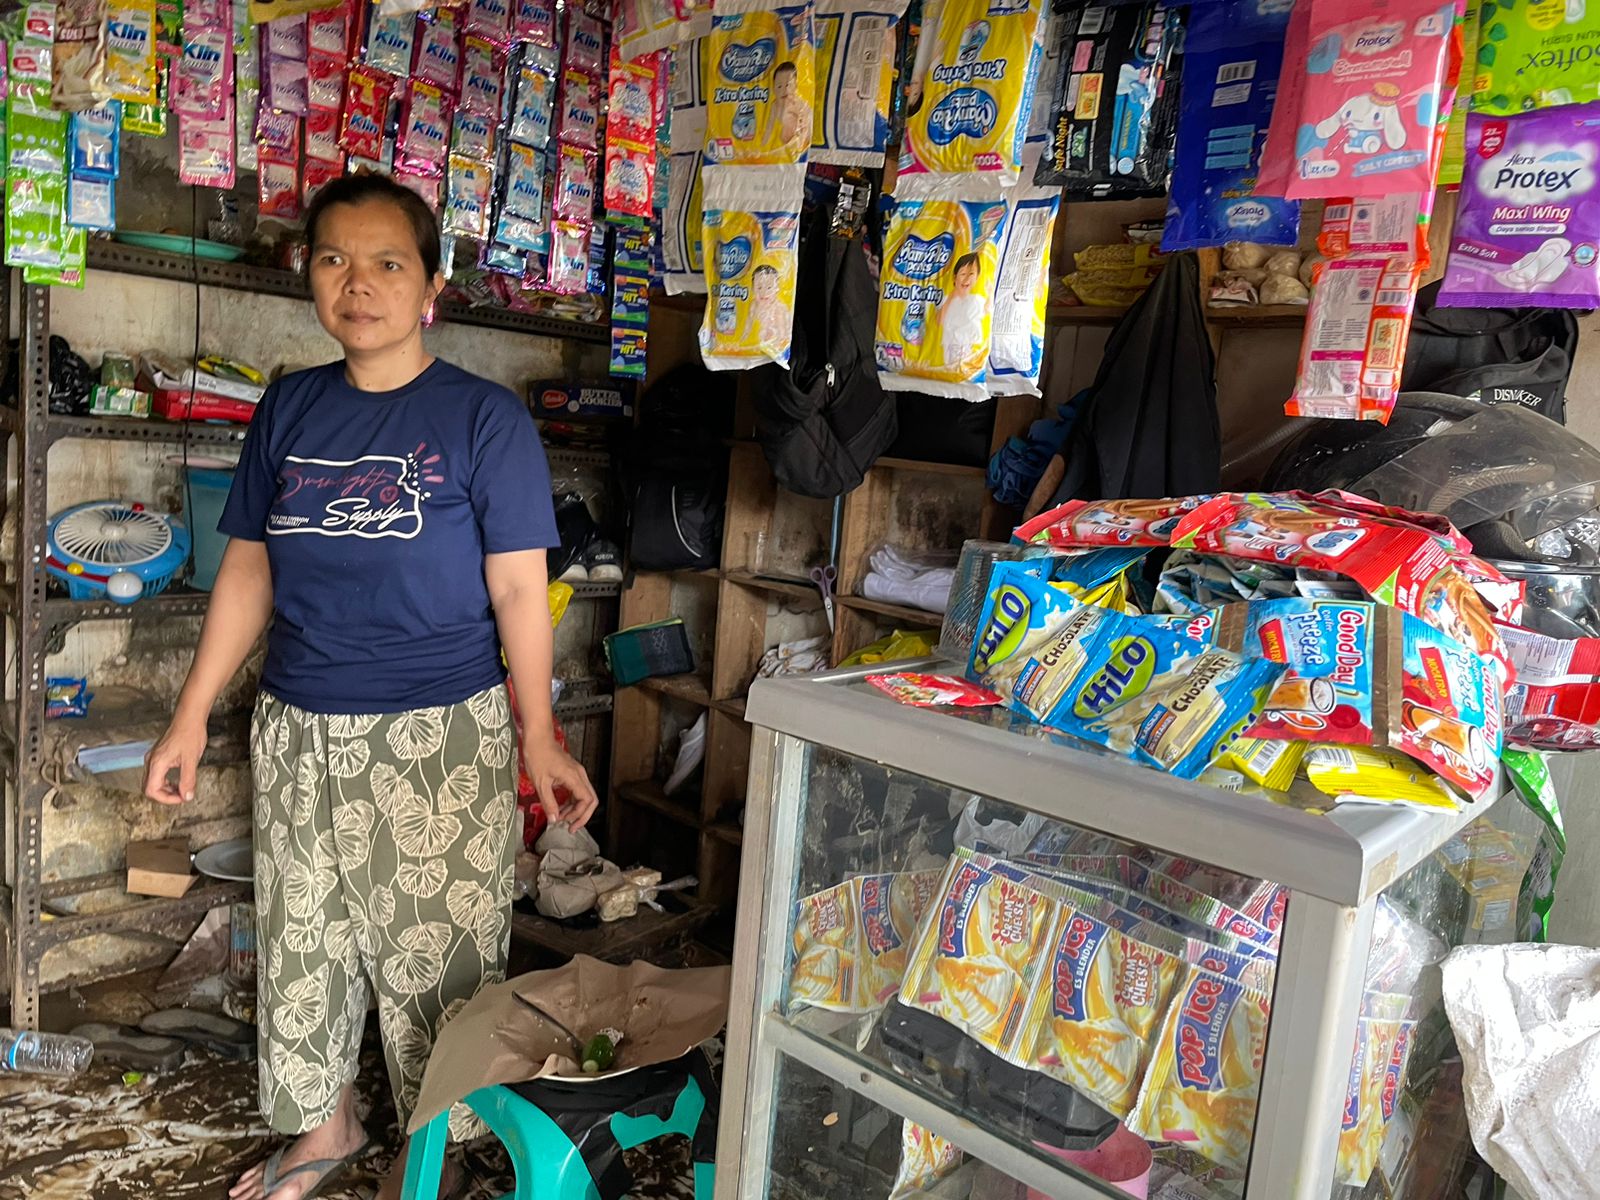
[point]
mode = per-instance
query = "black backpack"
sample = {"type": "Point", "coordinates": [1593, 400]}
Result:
{"type": "Point", "coordinates": [675, 475]}
{"type": "Point", "coordinates": [824, 421]}
{"type": "Point", "coordinates": [1496, 355]}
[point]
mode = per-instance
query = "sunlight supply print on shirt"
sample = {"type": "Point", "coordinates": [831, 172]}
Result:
{"type": "Point", "coordinates": [935, 306]}
{"type": "Point", "coordinates": [760, 64]}
{"type": "Point", "coordinates": [972, 92]}
{"type": "Point", "coordinates": [856, 41]}
{"type": "Point", "coordinates": [374, 496]}
{"type": "Point", "coordinates": [750, 244]}
{"type": "Point", "coordinates": [1373, 84]}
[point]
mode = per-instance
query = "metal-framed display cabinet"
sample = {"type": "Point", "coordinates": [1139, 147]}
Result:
{"type": "Point", "coordinates": [845, 782]}
{"type": "Point", "coordinates": [38, 619]}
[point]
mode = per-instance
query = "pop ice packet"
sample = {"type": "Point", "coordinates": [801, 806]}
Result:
{"type": "Point", "coordinates": [366, 109]}
{"type": "Point", "coordinates": [1537, 54]}
{"type": "Point", "coordinates": [131, 51]}
{"type": "Point", "coordinates": [760, 63]}
{"type": "Point", "coordinates": [1232, 58]}
{"type": "Point", "coordinates": [1022, 290]}
{"type": "Point", "coordinates": [751, 251]}
{"type": "Point", "coordinates": [578, 119]}
{"type": "Point", "coordinates": [438, 48]}
{"type": "Point", "coordinates": [1081, 523]}
{"type": "Point", "coordinates": [483, 71]}
{"type": "Point", "coordinates": [1095, 1011]}
{"type": "Point", "coordinates": [489, 19]}
{"type": "Point", "coordinates": [390, 37]}
{"type": "Point", "coordinates": [925, 1159]}
{"type": "Point", "coordinates": [424, 128]}
{"type": "Point", "coordinates": [979, 954]}
{"type": "Point", "coordinates": [855, 70]}
{"type": "Point", "coordinates": [1205, 1069]}
{"type": "Point", "coordinates": [467, 189]}
{"type": "Point", "coordinates": [826, 968]}
{"type": "Point", "coordinates": [933, 691]}
{"type": "Point", "coordinates": [573, 195]}
{"type": "Point", "coordinates": [1361, 1128]}
{"type": "Point", "coordinates": [1374, 88]}
{"type": "Point", "coordinates": [1529, 217]}
{"type": "Point", "coordinates": [971, 92]}
{"type": "Point", "coordinates": [936, 297]}
{"type": "Point", "coordinates": [532, 104]}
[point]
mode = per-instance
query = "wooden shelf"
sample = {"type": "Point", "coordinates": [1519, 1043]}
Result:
{"type": "Point", "coordinates": [647, 793]}
{"type": "Point", "coordinates": [932, 468]}
{"type": "Point", "coordinates": [920, 618]}
{"type": "Point", "coordinates": [1258, 316]}
{"type": "Point", "coordinates": [802, 589]}
{"type": "Point", "coordinates": [733, 708]}
{"type": "Point", "coordinates": [731, 834]}
{"type": "Point", "coordinates": [690, 687]}
{"type": "Point", "coordinates": [649, 935]}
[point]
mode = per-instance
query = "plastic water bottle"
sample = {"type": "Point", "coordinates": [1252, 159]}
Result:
{"type": "Point", "coordinates": [26, 1053]}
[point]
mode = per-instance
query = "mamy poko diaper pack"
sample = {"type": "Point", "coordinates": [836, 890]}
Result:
{"type": "Point", "coordinates": [751, 244]}
{"type": "Point", "coordinates": [1528, 224]}
{"type": "Point", "coordinates": [762, 84]}
{"type": "Point", "coordinates": [1365, 110]}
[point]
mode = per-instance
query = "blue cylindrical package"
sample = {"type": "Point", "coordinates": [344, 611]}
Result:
{"type": "Point", "coordinates": [1232, 60]}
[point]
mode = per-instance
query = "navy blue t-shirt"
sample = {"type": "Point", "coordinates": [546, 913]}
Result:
{"type": "Point", "coordinates": [377, 509]}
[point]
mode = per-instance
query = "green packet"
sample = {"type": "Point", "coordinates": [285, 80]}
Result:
{"type": "Point", "coordinates": [1453, 160]}
{"type": "Point", "coordinates": [1530, 773]}
{"type": "Point", "coordinates": [1536, 54]}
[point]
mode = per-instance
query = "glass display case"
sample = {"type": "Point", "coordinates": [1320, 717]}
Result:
{"type": "Point", "coordinates": [958, 932]}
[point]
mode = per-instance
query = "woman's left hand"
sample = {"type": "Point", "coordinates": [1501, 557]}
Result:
{"type": "Point", "coordinates": [550, 767]}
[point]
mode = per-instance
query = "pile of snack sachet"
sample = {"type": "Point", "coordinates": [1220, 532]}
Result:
{"type": "Point", "coordinates": [1261, 637]}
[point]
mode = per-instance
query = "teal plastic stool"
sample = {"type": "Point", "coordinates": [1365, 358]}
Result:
{"type": "Point", "coordinates": [528, 1118]}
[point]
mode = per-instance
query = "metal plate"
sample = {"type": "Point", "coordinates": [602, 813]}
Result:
{"type": "Point", "coordinates": [227, 860]}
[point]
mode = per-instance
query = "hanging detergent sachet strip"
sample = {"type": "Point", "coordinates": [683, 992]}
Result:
{"type": "Point", "coordinates": [751, 248]}
{"type": "Point", "coordinates": [1233, 54]}
{"type": "Point", "coordinates": [1114, 106]}
{"type": "Point", "coordinates": [1529, 218]}
{"type": "Point", "coordinates": [131, 51]}
{"type": "Point", "coordinates": [1536, 54]}
{"type": "Point", "coordinates": [1022, 289]}
{"type": "Point", "coordinates": [936, 298]}
{"type": "Point", "coordinates": [972, 92]}
{"type": "Point", "coordinates": [761, 68]}
{"type": "Point", "coordinates": [856, 42]}
{"type": "Point", "coordinates": [1376, 78]}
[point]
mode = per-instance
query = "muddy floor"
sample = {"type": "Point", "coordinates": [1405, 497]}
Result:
{"type": "Point", "coordinates": [188, 1134]}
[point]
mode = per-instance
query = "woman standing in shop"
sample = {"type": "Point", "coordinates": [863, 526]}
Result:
{"type": "Point", "coordinates": [390, 518]}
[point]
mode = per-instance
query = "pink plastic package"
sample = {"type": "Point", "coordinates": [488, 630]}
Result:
{"type": "Point", "coordinates": [284, 84]}
{"type": "Point", "coordinates": [322, 137]}
{"type": "Point", "coordinates": [328, 30]}
{"type": "Point", "coordinates": [279, 183]}
{"type": "Point", "coordinates": [578, 122]}
{"type": "Point", "coordinates": [534, 21]}
{"type": "Point", "coordinates": [277, 130]}
{"type": "Point", "coordinates": [569, 257]}
{"type": "Point", "coordinates": [319, 173]}
{"type": "Point", "coordinates": [483, 71]}
{"type": "Point", "coordinates": [1376, 75]}
{"type": "Point", "coordinates": [1277, 154]}
{"type": "Point", "coordinates": [490, 19]}
{"type": "Point", "coordinates": [630, 177]}
{"type": "Point", "coordinates": [206, 149]}
{"type": "Point", "coordinates": [203, 80]}
{"type": "Point", "coordinates": [287, 37]}
{"type": "Point", "coordinates": [438, 48]}
{"type": "Point", "coordinates": [424, 128]}
{"type": "Point", "coordinates": [574, 190]}
{"type": "Point", "coordinates": [585, 41]}
{"type": "Point", "coordinates": [324, 82]}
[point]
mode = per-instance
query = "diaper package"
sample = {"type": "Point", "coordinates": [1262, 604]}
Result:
{"type": "Point", "coordinates": [683, 264]}
{"type": "Point", "coordinates": [1022, 291]}
{"type": "Point", "coordinates": [760, 66]}
{"type": "Point", "coordinates": [1114, 106]}
{"type": "Point", "coordinates": [855, 63]}
{"type": "Point", "coordinates": [1376, 76]}
{"type": "Point", "coordinates": [935, 304]}
{"type": "Point", "coordinates": [751, 241]}
{"type": "Point", "coordinates": [1233, 54]}
{"type": "Point", "coordinates": [1536, 54]}
{"type": "Point", "coordinates": [1529, 218]}
{"type": "Point", "coordinates": [971, 93]}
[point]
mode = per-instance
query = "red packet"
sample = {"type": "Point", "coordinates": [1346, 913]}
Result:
{"type": "Point", "coordinates": [630, 177]}
{"type": "Point", "coordinates": [325, 82]}
{"type": "Point", "coordinates": [631, 98]}
{"type": "Point", "coordinates": [934, 691]}
{"type": "Point", "coordinates": [322, 138]}
{"type": "Point", "coordinates": [319, 173]}
{"type": "Point", "coordinates": [366, 105]}
{"type": "Point", "coordinates": [1079, 523]}
{"type": "Point", "coordinates": [279, 183]}
{"type": "Point", "coordinates": [328, 31]}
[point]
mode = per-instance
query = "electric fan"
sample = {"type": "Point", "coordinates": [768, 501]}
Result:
{"type": "Point", "coordinates": [116, 549]}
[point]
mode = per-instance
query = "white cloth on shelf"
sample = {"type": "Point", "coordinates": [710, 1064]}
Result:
{"type": "Point", "coordinates": [923, 581]}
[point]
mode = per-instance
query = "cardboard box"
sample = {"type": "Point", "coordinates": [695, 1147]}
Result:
{"type": "Point", "coordinates": [160, 868]}
{"type": "Point", "coordinates": [557, 399]}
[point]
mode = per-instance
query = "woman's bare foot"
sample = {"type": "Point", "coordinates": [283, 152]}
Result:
{"type": "Point", "coordinates": [339, 1135]}
{"type": "Point", "coordinates": [389, 1189]}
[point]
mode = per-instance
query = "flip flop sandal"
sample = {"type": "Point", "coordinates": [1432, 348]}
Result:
{"type": "Point", "coordinates": [220, 1034]}
{"type": "Point", "coordinates": [325, 1170]}
{"type": "Point", "coordinates": [123, 1047]}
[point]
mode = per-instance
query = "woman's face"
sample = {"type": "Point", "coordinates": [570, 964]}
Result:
{"type": "Point", "coordinates": [367, 278]}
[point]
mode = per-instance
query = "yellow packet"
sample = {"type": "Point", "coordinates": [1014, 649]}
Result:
{"type": "Point", "coordinates": [1205, 1069]}
{"type": "Point", "coordinates": [1096, 1009]}
{"type": "Point", "coordinates": [855, 65]}
{"type": "Point", "coordinates": [1367, 775]}
{"type": "Point", "coordinates": [559, 596]}
{"type": "Point", "coordinates": [925, 1159]}
{"type": "Point", "coordinates": [826, 949]}
{"type": "Point", "coordinates": [1270, 762]}
{"type": "Point", "coordinates": [1377, 1067]}
{"type": "Point", "coordinates": [1453, 157]}
{"type": "Point", "coordinates": [751, 241]}
{"type": "Point", "coordinates": [890, 909]}
{"type": "Point", "coordinates": [971, 90]}
{"type": "Point", "coordinates": [762, 84]}
{"type": "Point", "coordinates": [936, 298]}
{"type": "Point", "coordinates": [978, 955]}
{"type": "Point", "coordinates": [131, 51]}
{"type": "Point", "coordinates": [852, 941]}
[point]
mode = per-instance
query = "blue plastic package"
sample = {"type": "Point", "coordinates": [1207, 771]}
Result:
{"type": "Point", "coordinates": [1232, 61]}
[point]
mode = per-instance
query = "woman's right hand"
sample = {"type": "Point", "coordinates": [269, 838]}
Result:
{"type": "Point", "coordinates": [178, 750]}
